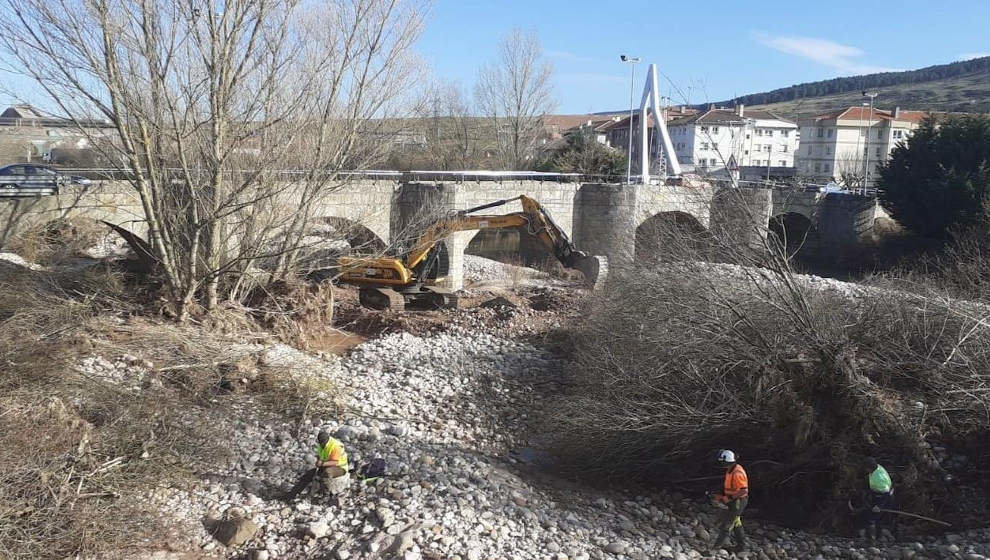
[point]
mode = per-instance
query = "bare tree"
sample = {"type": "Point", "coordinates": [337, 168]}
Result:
{"type": "Point", "coordinates": [452, 132]}
{"type": "Point", "coordinates": [207, 98]}
{"type": "Point", "coordinates": [514, 93]}
{"type": "Point", "coordinates": [850, 170]}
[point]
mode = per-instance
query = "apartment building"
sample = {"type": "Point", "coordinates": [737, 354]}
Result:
{"type": "Point", "coordinates": [717, 139]}
{"type": "Point", "coordinates": [617, 132]}
{"type": "Point", "coordinates": [839, 146]}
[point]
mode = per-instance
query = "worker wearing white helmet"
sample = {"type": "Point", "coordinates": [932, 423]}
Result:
{"type": "Point", "coordinates": [735, 495]}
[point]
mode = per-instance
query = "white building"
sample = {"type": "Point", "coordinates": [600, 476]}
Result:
{"type": "Point", "coordinates": [718, 138]}
{"type": "Point", "coordinates": [836, 146]}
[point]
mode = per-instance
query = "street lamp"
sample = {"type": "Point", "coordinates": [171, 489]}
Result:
{"type": "Point", "coordinates": [869, 128]}
{"type": "Point", "coordinates": [632, 60]}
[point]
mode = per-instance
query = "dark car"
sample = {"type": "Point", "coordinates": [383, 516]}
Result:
{"type": "Point", "coordinates": [33, 176]}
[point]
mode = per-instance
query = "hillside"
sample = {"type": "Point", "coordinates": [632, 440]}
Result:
{"type": "Point", "coordinates": [959, 86]}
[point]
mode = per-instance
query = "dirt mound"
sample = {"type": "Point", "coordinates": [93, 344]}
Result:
{"type": "Point", "coordinates": [508, 312]}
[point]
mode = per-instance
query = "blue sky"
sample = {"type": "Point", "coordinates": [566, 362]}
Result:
{"type": "Point", "coordinates": [713, 50]}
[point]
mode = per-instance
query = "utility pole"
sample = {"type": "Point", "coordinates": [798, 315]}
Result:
{"type": "Point", "coordinates": [632, 60]}
{"type": "Point", "coordinates": [869, 128]}
{"type": "Point", "coordinates": [859, 143]}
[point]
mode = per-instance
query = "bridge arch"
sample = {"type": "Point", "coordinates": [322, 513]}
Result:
{"type": "Point", "coordinates": [359, 238]}
{"type": "Point", "coordinates": [669, 236]}
{"type": "Point", "coordinates": [795, 233]}
{"type": "Point", "coordinates": [330, 237]}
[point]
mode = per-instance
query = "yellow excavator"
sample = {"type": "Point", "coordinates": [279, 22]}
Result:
{"type": "Point", "coordinates": [392, 282]}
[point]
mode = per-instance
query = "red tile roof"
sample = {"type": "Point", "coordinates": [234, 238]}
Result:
{"type": "Point", "coordinates": [672, 114]}
{"type": "Point", "coordinates": [716, 116]}
{"type": "Point", "coordinates": [863, 114]}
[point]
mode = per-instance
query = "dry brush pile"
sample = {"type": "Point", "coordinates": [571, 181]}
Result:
{"type": "Point", "coordinates": [100, 404]}
{"type": "Point", "coordinates": [676, 361]}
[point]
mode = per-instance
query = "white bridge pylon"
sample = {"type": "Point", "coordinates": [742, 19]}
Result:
{"type": "Point", "coordinates": [651, 101]}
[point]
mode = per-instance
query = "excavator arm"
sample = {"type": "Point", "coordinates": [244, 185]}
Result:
{"type": "Point", "coordinates": [388, 282]}
{"type": "Point", "coordinates": [534, 218]}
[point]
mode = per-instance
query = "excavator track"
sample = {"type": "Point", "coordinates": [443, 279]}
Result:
{"type": "Point", "coordinates": [443, 298]}
{"type": "Point", "coordinates": [382, 299]}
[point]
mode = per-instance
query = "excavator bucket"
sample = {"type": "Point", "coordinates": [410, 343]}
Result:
{"type": "Point", "coordinates": [594, 268]}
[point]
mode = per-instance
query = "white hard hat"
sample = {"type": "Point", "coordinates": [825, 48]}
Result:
{"type": "Point", "coordinates": [726, 456]}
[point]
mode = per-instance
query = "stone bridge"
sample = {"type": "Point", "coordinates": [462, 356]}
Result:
{"type": "Point", "coordinates": [604, 219]}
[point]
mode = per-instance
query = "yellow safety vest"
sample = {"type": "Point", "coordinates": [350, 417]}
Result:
{"type": "Point", "coordinates": [324, 452]}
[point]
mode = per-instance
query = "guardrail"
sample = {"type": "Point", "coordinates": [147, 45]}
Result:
{"type": "Point", "coordinates": [416, 175]}
{"type": "Point", "coordinates": [109, 173]}
{"type": "Point", "coordinates": [52, 122]}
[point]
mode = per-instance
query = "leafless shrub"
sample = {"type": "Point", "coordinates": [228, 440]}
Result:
{"type": "Point", "coordinates": [59, 240]}
{"type": "Point", "coordinates": [90, 449]}
{"type": "Point", "coordinates": [677, 361]}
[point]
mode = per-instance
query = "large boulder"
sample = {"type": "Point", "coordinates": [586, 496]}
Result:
{"type": "Point", "coordinates": [232, 532]}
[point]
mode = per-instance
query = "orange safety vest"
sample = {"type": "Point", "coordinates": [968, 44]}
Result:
{"type": "Point", "coordinates": [736, 484]}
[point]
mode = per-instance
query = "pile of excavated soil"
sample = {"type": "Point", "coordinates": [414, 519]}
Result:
{"type": "Point", "coordinates": [507, 312]}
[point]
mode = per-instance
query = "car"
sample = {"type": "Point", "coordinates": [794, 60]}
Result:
{"type": "Point", "coordinates": [34, 176]}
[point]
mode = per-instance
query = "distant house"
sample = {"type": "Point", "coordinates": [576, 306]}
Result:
{"type": "Point", "coordinates": [20, 112]}
{"type": "Point", "coordinates": [717, 139]}
{"type": "Point", "coordinates": [617, 131]}
{"type": "Point", "coordinates": [27, 115]}
{"type": "Point", "coordinates": [557, 126]}
{"type": "Point", "coordinates": [836, 146]}
{"type": "Point", "coordinates": [28, 134]}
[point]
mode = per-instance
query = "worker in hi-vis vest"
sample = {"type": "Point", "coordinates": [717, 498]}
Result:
{"type": "Point", "coordinates": [330, 472]}
{"type": "Point", "coordinates": [735, 495]}
{"type": "Point", "coordinates": [881, 498]}
{"type": "Point", "coordinates": [331, 462]}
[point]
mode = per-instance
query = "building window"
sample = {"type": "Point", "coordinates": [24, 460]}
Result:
{"type": "Point", "coordinates": [770, 133]}
{"type": "Point", "coordinates": [818, 168]}
{"type": "Point", "coordinates": [767, 148]}
{"type": "Point", "coordinates": [712, 162]}
{"type": "Point", "coordinates": [878, 152]}
{"type": "Point", "coordinates": [821, 132]}
{"type": "Point", "coordinates": [898, 134]}
{"type": "Point", "coordinates": [826, 168]}
{"type": "Point", "coordinates": [785, 133]}
{"type": "Point", "coordinates": [747, 137]}
{"type": "Point", "coordinates": [704, 129]}
{"type": "Point", "coordinates": [704, 145]}
{"type": "Point", "coordinates": [830, 133]}
{"type": "Point", "coordinates": [745, 152]}
{"type": "Point", "coordinates": [782, 163]}
{"type": "Point", "coordinates": [879, 134]}
{"type": "Point", "coordinates": [714, 130]}
{"type": "Point", "coordinates": [783, 148]}
{"type": "Point", "coordinates": [809, 149]}
{"type": "Point", "coordinates": [828, 150]}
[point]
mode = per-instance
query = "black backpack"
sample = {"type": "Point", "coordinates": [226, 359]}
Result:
{"type": "Point", "coordinates": [375, 468]}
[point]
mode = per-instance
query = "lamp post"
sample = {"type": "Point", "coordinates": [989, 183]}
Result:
{"type": "Point", "coordinates": [869, 128]}
{"type": "Point", "coordinates": [632, 60]}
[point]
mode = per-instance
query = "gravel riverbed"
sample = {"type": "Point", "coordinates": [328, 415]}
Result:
{"type": "Point", "coordinates": [454, 413]}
